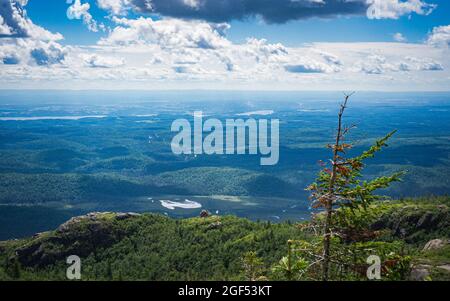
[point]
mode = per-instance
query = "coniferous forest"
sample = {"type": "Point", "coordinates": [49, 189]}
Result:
{"type": "Point", "coordinates": [346, 217]}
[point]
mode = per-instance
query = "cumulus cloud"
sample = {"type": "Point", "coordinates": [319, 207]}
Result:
{"type": "Point", "coordinates": [398, 37]}
{"type": "Point", "coordinates": [14, 23]}
{"type": "Point", "coordinates": [310, 67]}
{"type": "Point", "coordinates": [23, 42]}
{"type": "Point", "coordinates": [115, 7]}
{"type": "Point", "coordinates": [149, 52]}
{"type": "Point", "coordinates": [227, 61]}
{"type": "Point", "coordinates": [48, 54]}
{"type": "Point", "coordinates": [329, 57]}
{"type": "Point", "coordinates": [263, 51]}
{"type": "Point", "coordinates": [374, 64]}
{"type": "Point", "coordinates": [190, 70]}
{"type": "Point", "coordinates": [440, 36]}
{"type": "Point", "coordinates": [377, 64]}
{"type": "Point", "coordinates": [394, 9]}
{"type": "Point", "coordinates": [423, 64]}
{"type": "Point", "coordinates": [167, 33]}
{"type": "Point", "coordinates": [81, 11]}
{"type": "Point", "coordinates": [314, 66]}
{"type": "Point", "coordinates": [32, 52]}
{"type": "Point", "coordinates": [186, 56]}
{"type": "Point", "coordinates": [98, 61]}
{"type": "Point", "coordinates": [314, 60]}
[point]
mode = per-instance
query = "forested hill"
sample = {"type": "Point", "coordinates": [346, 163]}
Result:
{"type": "Point", "coordinates": [128, 246]}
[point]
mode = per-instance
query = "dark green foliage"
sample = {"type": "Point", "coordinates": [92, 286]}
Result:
{"type": "Point", "coordinates": [41, 160]}
{"type": "Point", "coordinates": [73, 167]}
{"type": "Point", "coordinates": [12, 269]}
{"type": "Point", "coordinates": [153, 247]}
{"type": "Point", "coordinates": [253, 267]}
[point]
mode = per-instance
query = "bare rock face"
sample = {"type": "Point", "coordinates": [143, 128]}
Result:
{"type": "Point", "coordinates": [90, 217]}
{"type": "Point", "coordinates": [434, 244]}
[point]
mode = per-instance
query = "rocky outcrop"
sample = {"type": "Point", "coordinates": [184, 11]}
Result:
{"type": "Point", "coordinates": [80, 236]}
{"type": "Point", "coordinates": [123, 216]}
{"type": "Point", "coordinates": [415, 224]}
{"type": "Point", "coordinates": [95, 216]}
{"type": "Point", "coordinates": [435, 244]}
{"type": "Point", "coordinates": [425, 267]}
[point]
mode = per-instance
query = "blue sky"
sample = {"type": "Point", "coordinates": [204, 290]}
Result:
{"type": "Point", "coordinates": [291, 44]}
{"type": "Point", "coordinates": [52, 15]}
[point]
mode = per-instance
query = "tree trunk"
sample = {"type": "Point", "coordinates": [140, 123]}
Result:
{"type": "Point", "coordinates": [331, 192]}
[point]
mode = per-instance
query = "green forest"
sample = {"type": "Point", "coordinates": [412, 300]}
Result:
{"type": "Point", "coordinates": [362, 215]}
{"type": "Point", "coordinates": [116, 246]}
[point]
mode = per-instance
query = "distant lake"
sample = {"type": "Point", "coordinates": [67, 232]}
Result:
{"type": "Point", "coordinates": [187, 204]}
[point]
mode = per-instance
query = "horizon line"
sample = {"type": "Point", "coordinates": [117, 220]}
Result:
{"type": "Point", "coordinates": [223, 90]}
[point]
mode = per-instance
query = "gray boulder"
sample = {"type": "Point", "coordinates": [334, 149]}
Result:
{"type": "Point", "coordinates": [434, 244]}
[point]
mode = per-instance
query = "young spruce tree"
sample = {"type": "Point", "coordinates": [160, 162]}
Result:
{"type": "Point", "coordinates": [339, 183]}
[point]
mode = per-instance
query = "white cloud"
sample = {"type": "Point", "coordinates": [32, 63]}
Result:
{"type": "Point", "coordinates": [81, 11]}
{"type": "Point", "coordinates": [394, 9]}
{"type": "Point", "coordinates": [423, 64]}
{"type": "Point", "coordinates": [309, 67]}
{"type": "Point", "coordinates": [192, 3]}
{"type": "Point", "coordinates": [146, 53]}
{"type": "Point", "coordinates": [376, 64]}
{"type": "Point", "coordinates": [31, 52]}
{"type": "Point", "coordinates": [167, 33]}
{"type": "Point", "coordinates": [183, 69]}
{"type": "Point", "coordinates": [373, 64]}
{"type": "Point", "coordinates": [398, 37]}
{"type": "Point", "coordinates": [5, 30]}
{"type": "Point", "coordinates": [115, 7]}
{"type": "Point", "coordinates": [14, 22]}
{"type": "Point", "coordinates": [24, 43]}
{"type": "Point", "coordinates": [262, 51]}
{"type": "Point", "coordinates": [98, 61]}
{"type": "Point", "coordinates": [440, 36]}
{"type": "Point", "coordinates": [48, 54]}
{"type": "Point", "coordinates": [313, 60]}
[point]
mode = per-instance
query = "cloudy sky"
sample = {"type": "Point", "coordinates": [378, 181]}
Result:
{"type": "Point", "coordinates": [387, 45]}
